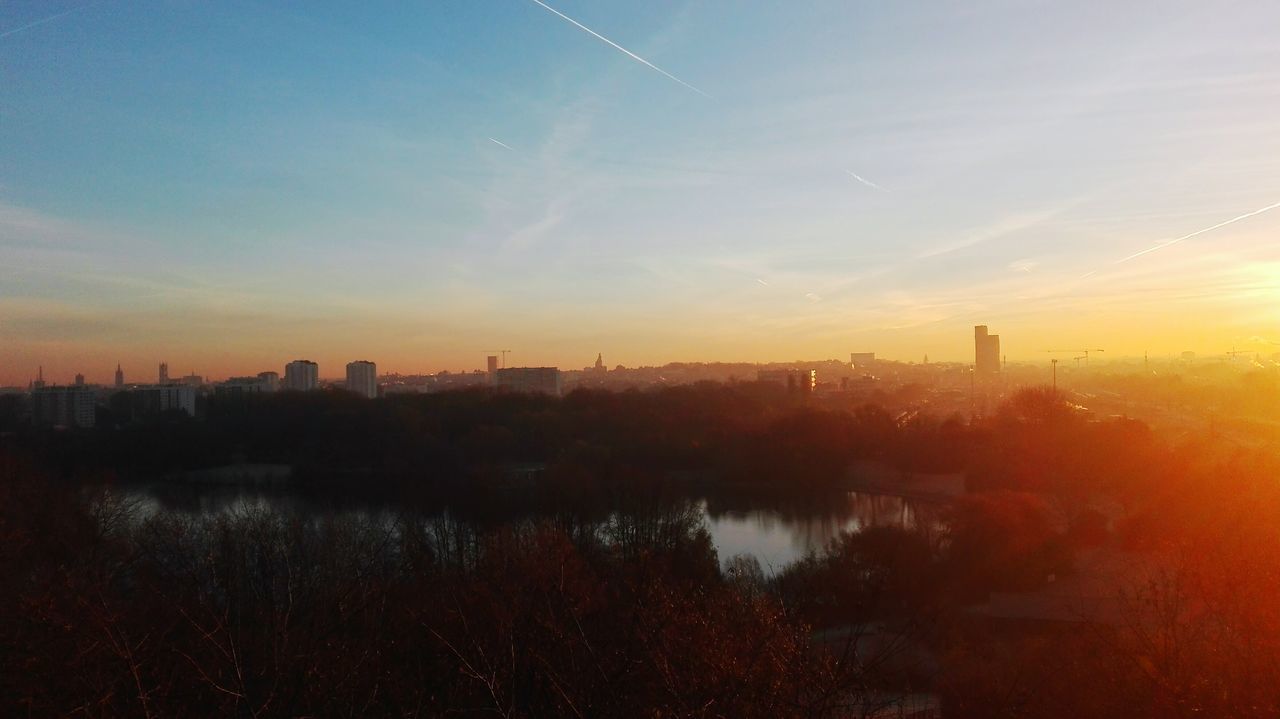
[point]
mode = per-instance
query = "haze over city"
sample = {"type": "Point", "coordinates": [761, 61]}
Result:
{"type": "Point", "coordinates": [227, 186]}
{"type": "Point", "coordinates": [689, 358]}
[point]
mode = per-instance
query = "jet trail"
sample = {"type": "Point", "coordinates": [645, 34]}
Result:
{"type": "Point", "coordinates": [620, 48]}
{"type": "Point", "coordinates": [1176, 240]}
{"type": "Point", "coordinates": [503, 144]}
{"type": "Point", "coordinates": [865, 181]}
{"type": "Point", "coordinates": [51, 18]}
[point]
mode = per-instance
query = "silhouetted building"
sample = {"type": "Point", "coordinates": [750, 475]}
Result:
{"type": "Point", "coordinates": [301, 375]}
{"type": "Point", "coordinates": [164, 373]}
{"type": "Point", "coordinates": [240, 388]}
{"type": "Point", "coordinates": [795, 380]}
{"type": "Point", "coordinates": [861, 359]}
{"type": "Point", "coordinates": [491, 363]}
{"type": "Point", "coordinates": [151, 400]}
{"type": "Point", "coordinates": [79, 379]}
{"type": "Point", "coordinates": [545, 380]}
{"type": "Point", "coordinates": [599, 366]}
{"type": "Point", "coordinates": [362, 378]}
{"type": "Point", "coordinates": [806, 380]}
{"type": "Point", "coordinates": [39, 381]}
{"type": "Point", "coordinates": [119, 376]}
{"type": "Point", "coordinates": [192, 380]}
{"type": "Point", "coordinates": [986, 351]}
{"type": "Point", "coordinates": [270, 381]}
{"type": "Point", "coordinates": [63, 406]}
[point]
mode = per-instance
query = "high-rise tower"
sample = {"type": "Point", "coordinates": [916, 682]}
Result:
{"type": "Point", "coordinates": [986, 351]}
{"type": "Point", "coordinates": [362, 378]}
{"type": "Point", "coordinates": [301, 375]}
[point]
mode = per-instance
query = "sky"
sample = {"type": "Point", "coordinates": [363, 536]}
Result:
{"type": "Point", "coordinates": [230, 185]}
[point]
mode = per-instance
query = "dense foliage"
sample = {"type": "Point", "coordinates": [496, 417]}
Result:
{"type": "Point", "coordinates": [571, 574]}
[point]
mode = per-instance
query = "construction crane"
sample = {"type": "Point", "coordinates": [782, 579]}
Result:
{"type": "Point", "coordinates": [1232, 354]}
{"type": "Point", "coordinates": [502, 352]}
{"type": "Point", "coordinates": [1084, 354]}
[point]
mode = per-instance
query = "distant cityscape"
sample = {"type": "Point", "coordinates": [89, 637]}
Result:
{"type": "Point", "coordinates": [947, 387]}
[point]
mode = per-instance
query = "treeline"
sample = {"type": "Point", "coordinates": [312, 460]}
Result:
{"type": "Point", "coordinates": [746, 433]}
{"type": "Point", "coordinates": [610, 600]}
{"type": "Point", "coordinates": [259, 613]}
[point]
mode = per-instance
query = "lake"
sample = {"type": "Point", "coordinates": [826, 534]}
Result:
{"type": "Point", "coordinates": [775, 536]}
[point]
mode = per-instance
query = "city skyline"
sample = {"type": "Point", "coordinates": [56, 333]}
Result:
{"type": "Point", "coordinates": [339, 374]}
{"type": "Point", "coordinates": [681, 182]}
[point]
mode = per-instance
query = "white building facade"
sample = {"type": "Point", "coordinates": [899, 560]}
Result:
{"type": "Point", "coordinates": [64, 406]}
{"type": "Point", "coordinates": [301, 375]}
{"type": "Point", "coordinates": [362, 378]}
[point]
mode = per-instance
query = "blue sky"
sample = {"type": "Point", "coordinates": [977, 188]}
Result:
{"type": "Point", "coordinates": [231, 185]}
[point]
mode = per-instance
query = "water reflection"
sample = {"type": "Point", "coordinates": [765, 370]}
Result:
{"type": "Point", "coordinates": [775, 534]}
{"type": "Point", "coordinates": [777, 537]}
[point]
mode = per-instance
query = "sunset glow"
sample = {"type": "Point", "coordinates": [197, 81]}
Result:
{"type": "Point", "coordinates": [439, 192]}
{"type": "Point", "coordinates": [834, 359]}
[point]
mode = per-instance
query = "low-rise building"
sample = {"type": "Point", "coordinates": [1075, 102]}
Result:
{"type": "Point", "coordinates": [150, 400]}
{"type": "Point", "coordinates": [73, 406]}
{"type": "Point", "coordinates": [240, 388]}
{"type": "Point", "coordinates": [544, 380]}
{"type": "Point", "coordinates": [802, 380]}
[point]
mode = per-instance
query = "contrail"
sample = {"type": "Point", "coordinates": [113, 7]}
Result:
{"type": "Point", "coordinates": [503, 144]}
{"type": "Point", "coordinates": [620, 48]}
{"type": "Point", "coordinates": [865, 181]}
{"type": "Point", "coordinates": [51, 18]}
{"type": "Point", "coordinates": [1176, 240]}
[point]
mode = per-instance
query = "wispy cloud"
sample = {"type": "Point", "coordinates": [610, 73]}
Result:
{"type": "Point", "coordinates": [1197, 233]}
{"type": "Point", "coordinates": [618, 47]}
{"type": "Point", "coordinates": [42, 21]}
{"type": "Point", "coordinates": [1003, 227]}
{"type": "Point", "coordinates": [553, 215]}
{"type": "Point", "coordinates": [865, 181]}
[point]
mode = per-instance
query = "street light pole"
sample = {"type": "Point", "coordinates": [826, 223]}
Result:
{"type": "Point", "coordinates": [973, 400]}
